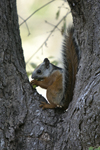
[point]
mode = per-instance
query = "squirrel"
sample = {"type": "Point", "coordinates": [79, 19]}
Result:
{"type": "Point", "coordinates": [59, 82]}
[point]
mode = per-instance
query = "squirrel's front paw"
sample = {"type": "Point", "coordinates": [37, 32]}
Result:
{"type": "Point", "coordinates": [43, 105]}
{"type": "Point", "coordinates": [33, 82]}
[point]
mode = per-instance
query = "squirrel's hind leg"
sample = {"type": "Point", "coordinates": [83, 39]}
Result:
{"type": "Point", "coordinates": [45, 105]}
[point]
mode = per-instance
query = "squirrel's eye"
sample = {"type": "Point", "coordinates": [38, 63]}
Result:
{"type": "Point", "coordinates": [39, 71]}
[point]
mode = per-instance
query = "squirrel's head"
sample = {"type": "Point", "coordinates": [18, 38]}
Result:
{"type": "Point", "coordinates": [43, 70]}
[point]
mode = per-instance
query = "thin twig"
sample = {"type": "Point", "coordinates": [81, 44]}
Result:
{"type": "Point", "coordinates": [51, 24]}
{"type": "Point", "coordinates": [47, 37]}
{"type": "Point", "coordinates": [36, 11]}
{"type": "Point", "coordinates": [26, 25]}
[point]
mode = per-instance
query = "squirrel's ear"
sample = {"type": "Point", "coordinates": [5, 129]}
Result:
{"type": "Point", "coordinates": [47, 62]}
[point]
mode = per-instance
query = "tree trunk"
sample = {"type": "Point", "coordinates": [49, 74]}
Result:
{"type": "Point", "coordinates": [23, 124]}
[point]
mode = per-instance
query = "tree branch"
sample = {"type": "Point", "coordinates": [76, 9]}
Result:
{"type": "Point", "coordinates": [47, 37]}
{"type": "Point", "coordinates": [36, 11]}
{"type": "Point", "coordinates": [25, 24]}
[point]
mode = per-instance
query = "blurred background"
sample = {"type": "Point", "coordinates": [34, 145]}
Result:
{"type": "Point", "coordinates": [37, 24]}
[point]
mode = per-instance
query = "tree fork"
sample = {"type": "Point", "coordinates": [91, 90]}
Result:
{"type": "Point", "coordinates": [25, 126]}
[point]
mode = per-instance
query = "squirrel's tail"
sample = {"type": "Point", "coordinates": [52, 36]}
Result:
{"type": "Point", "coordinates": [71, 59]}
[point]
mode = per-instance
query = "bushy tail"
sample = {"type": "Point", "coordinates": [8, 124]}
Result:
{"type": "Point", "coordinates": [71, 59]}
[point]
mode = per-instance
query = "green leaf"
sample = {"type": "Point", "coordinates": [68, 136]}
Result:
{"type": "Point", "coordinates": [33, 65]}
{"type": "Point", "coordinates": [34, 86]}
{"type": "Point", "coordinates": [91, 148]}
{"type": "Point", "coordinates": [63, 27]}
{"type": "Point", "coordinates": [54, 62]}
{"type": "Point", "coordinates": [57, 14]}
{"type": "Point", "coordinates": [50, 57]}
{"type": "Point", "coordinates": [97, 148]}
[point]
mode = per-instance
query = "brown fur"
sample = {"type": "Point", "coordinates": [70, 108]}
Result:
{"type": "Point", "coordinates": [72, 60]}
{"type": "Point", "coordinates": [57, 93]}
{"type": "Point", "coordinates": [51, 83]}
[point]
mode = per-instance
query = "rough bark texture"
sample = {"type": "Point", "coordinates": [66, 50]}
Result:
{"type": "Point", "coordinates": [23, 125]}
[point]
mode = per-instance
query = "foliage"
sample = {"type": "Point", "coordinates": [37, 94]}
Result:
{"type": "Point", "coordinates": [94, 148]}
{"type": "Point", "coordinates": [57, 14]}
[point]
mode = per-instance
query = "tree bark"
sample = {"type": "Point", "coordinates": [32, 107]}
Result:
{"type": "Point", "coordinates": [23, 124]}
